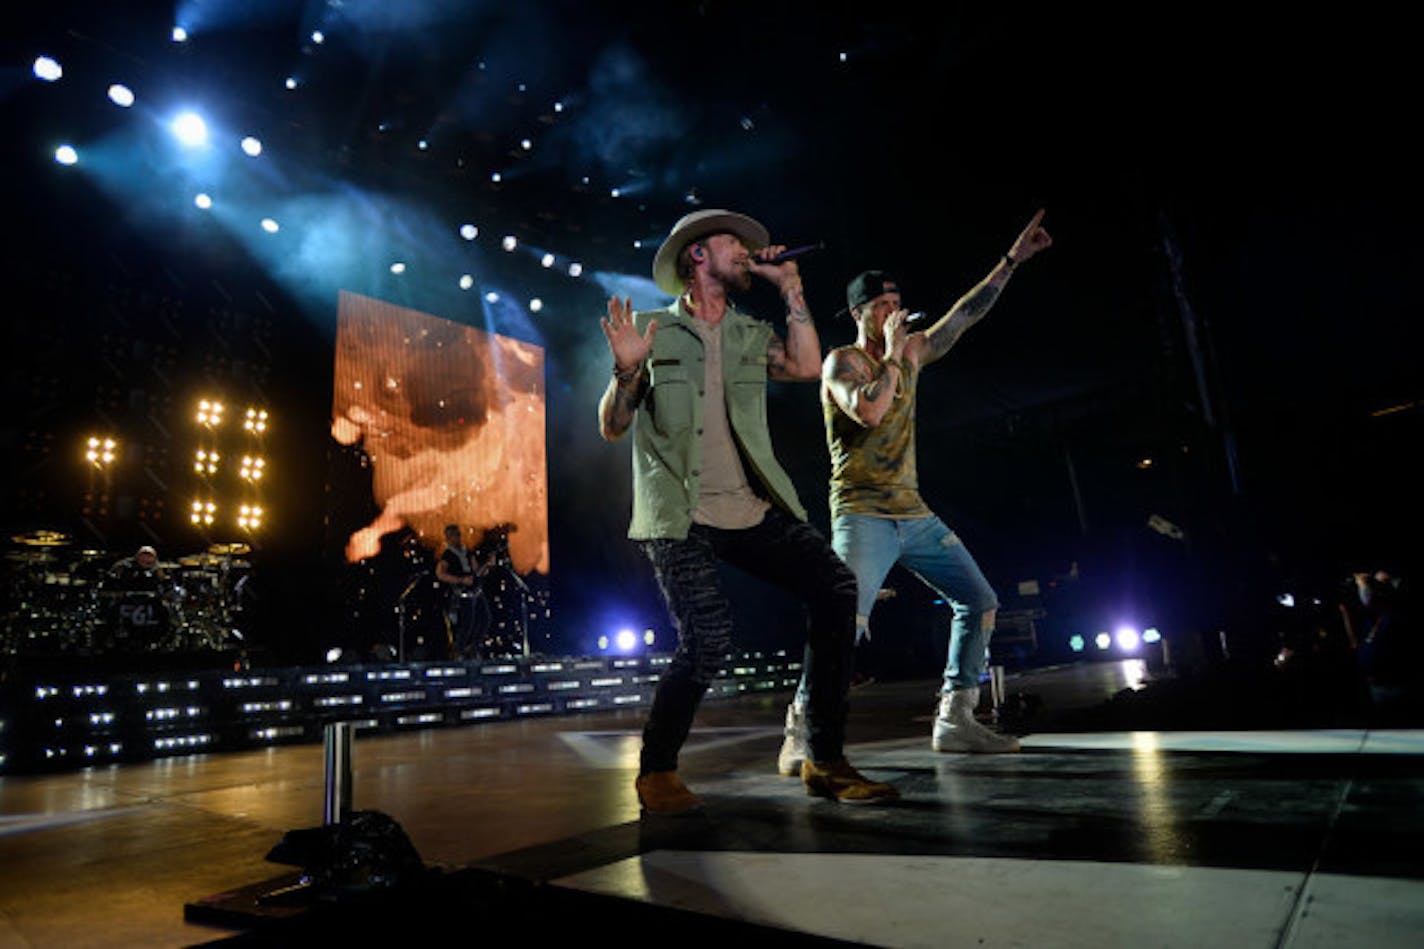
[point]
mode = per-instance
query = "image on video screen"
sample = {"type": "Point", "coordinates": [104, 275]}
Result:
{"type": "Point", "coordinates": [452, 419]}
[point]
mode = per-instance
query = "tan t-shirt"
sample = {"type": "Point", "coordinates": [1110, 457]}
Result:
{"type": "Point", "coordinates": [727, 500]}
{"type": "Point", "coordinates": [873, 469]}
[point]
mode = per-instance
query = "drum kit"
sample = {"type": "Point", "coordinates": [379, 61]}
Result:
{"type": "Point", "coordinates": [62, 600]}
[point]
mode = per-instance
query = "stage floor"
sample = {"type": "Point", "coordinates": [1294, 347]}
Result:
{"type": "Point", "coordinates": [1294, 838]}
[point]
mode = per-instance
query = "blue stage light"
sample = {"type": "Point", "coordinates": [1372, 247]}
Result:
{"type": "Point", "coordinates": [190, 129]}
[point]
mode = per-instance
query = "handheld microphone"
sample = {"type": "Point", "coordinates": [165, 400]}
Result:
{"type": "Point", "coordinates": [791, 253]}
{"type": "Point", "coordinates": [917, 317]}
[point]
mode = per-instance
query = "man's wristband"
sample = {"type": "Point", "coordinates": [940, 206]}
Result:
{"type": "Point", "coordinates": [627, 376]}
{"type": "Point", "coordinates": [1010, 262]}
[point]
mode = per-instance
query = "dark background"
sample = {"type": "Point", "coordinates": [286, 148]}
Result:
{"type": "Point", "coordinates": [1273, 156]}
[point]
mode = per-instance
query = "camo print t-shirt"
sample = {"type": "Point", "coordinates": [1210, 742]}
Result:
{"type": "Point", "coordinates": [873, 469]}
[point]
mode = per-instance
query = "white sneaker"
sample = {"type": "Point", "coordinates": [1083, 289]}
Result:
{"type": "Point", "coordinates": [956, 729]}
{"type": "Point", "coordinates": [794, 747]}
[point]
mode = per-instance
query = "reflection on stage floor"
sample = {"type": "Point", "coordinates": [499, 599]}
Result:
{"type": "Point", "coordinates": [530, 829]}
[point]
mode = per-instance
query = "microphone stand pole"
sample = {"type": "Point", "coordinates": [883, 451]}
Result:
{"type": "Point", "coordinates": [400, 613]}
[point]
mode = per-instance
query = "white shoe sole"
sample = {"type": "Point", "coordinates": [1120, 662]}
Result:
{"type": "Point", "coordinates": [967, 746]}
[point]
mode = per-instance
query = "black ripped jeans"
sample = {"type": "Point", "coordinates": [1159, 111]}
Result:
{"type": "Point", "coordinates": [782, 551]}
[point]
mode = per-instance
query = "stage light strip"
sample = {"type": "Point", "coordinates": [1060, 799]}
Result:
{"type": "Point", "coordinates": [298, 708]}
{"type": "Point", "coordinates": [334, 701]}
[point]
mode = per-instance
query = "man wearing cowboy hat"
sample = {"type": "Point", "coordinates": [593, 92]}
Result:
{"type": "Point", "coordinates": [690, 381]}
{"type": "Point", "coordinates": [878, 518]}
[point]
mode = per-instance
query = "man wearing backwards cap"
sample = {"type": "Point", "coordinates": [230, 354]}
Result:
{"type": "Point", "coordinates": [690, 380]}
{"type": "Point", "coordinates": [878, 518]}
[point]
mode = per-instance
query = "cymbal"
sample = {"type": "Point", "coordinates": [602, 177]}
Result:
{"type": "Point", "coordinates": [200, 560]}
{"type": "Point", "coordinates": [30, 556]}
{"type": "Point", "coordinates": [224, 550]}
{"type": "Point", "coordinates": [41, 539]}
{"type": "Point", "coordinates": [168, 565]}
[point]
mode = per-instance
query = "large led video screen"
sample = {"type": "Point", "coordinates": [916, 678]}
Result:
{"type": "Point", "coordinates": [452, 420]}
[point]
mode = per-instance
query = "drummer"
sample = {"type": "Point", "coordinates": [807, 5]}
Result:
{"type": "Point", "coordinates": [140, 570]}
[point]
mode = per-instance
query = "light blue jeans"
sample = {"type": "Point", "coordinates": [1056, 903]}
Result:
{"type": "Point", "coordinates": [926, 547]}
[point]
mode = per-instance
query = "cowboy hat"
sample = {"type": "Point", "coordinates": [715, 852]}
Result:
{"type": "Point", "coordinates": [695, 226]}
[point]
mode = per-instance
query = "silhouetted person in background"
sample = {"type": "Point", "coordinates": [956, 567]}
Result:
{"type": "Point", "coordinates": [462, 572]}
{"type": "Point", "coordinates": [1388, 643]}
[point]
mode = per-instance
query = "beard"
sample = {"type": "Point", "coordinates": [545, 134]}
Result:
{"type": "Point", "coordinates": [733, 278]}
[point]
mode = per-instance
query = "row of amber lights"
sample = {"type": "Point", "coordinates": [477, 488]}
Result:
{"type": "Point", "coordinates": [210, 415]}
{"type": "Point", "coordinates": [103, 450]}
{"type": "Point", "coordinates": [204, 512]}
{"type": "Point", "coordinates": [252, 468]}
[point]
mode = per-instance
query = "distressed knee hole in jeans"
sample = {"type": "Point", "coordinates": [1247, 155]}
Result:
{"type": "Point", "coordinates": [950, 539]}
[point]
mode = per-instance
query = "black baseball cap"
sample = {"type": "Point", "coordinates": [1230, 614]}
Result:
{"type": "Point", "coordinates": [869, 285]}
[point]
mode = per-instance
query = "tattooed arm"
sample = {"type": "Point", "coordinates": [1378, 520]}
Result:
{"type": "Point", "coordinates": [629, 384]}
{"type": "Point", "coordinates": [798, 357]}
{"type": "Point", "coordinates": [924, 348]}
{"type": "Point", "coordinates": [620, 400]}
{"type": "Point", "coordinates": [861, 389]}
